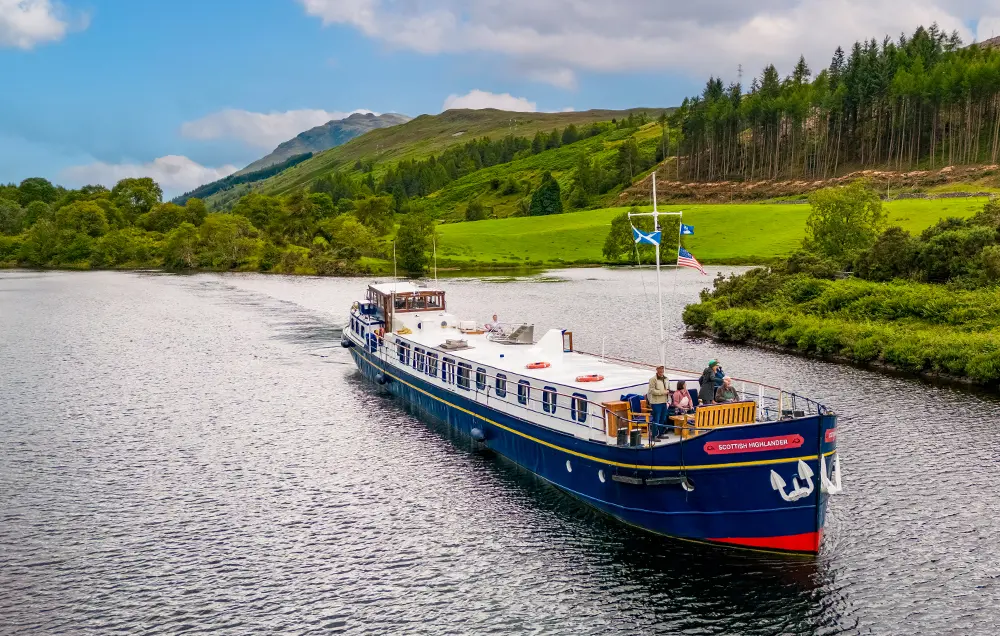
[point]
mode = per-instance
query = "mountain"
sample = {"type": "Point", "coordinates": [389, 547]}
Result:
{"type": "Point", "coordinates": [419, 138]}
{"type": "Point", "coordinates": [329, 135]}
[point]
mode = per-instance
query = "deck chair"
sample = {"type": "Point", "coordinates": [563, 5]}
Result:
{"type": "Point", "coordinates": [638, 417]}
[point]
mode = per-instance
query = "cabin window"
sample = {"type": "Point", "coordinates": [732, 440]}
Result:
{"type": "Point", "coordinates": [464, 374]}
{"type": "Point", "coordinates": [578, 407]}
{"type": "Point", "coordinates": [549, 399]}
{"type": "Point", "coordinates": [523, 391]}
{"type": "Point", "coordinates": [481, 379]}
{"type": "Point", "coordinates": [399, 302]}
{"type": "Point", "coordinates": [404, 353]}
{"type": "Point", "coordinates": [418, 359]}
{"type": "Point", "coordinates": [432, 364]}
{"type": "Point", "coordinates": [372, 342]}
{"type": "Point", "coordinates": [501, 385]}
{"type": "Point", "coordinates": [448, 370]}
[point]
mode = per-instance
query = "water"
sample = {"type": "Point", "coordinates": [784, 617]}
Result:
{"type": "Point", "coordinates": [197, 453]}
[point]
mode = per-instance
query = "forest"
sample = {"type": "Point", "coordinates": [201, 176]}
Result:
{"type": "Point", "coordinates": [922, 101]}
{"type": "Point", "coordinates": [129, 226]}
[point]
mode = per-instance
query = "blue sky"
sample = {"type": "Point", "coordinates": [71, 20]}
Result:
{"type": "Point", "coordinates": [187, 91]}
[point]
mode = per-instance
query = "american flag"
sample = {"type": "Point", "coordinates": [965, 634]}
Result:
{"type": "Point", "coordinates": [687, 259]}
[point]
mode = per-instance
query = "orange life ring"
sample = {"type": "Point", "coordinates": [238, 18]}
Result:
{"type": "Point", "coordinates": [593, 377]}
{"type": "Point", "coordinates": [539, 365]}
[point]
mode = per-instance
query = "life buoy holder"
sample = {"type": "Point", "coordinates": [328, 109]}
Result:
{"type": "Point", "coordinates": [539, 365]}
{"type": "Point", "coordinates": [593, 377]}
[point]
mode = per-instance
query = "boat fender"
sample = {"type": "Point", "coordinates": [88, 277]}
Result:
{"type": "Point", "coordinates": [346, 343]}
{"type": "Point", "coordinates": [539, 365]}
{"type": "Point", "coordinates": [478, 435]}
{"type": "Point", "coordinates": [381, 378]}
{"type": "Point", "coordinates": [593, 377]}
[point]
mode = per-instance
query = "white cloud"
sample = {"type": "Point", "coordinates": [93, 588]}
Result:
{"type": "Point", "coordinates": [712, 36]}
{"type": "Point", "coordinates": [988, 27]}
{"type": "Point", "coordinates": [176, 174]}
{"type": "Point", "coordinates": [476, 99]}
{"type": "Point", "coordinates": [264, 130]}
{"type": "Point", "coordinates": [559, 77]}
{"type": "Point", "coordinates": [26, 23]}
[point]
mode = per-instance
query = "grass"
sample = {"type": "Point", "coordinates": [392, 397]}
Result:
{"type": "Point", "coordinates": [724, 233]}
{"type": "Point", "coordinates": [430, 134]}
{"type": "Point", "coordinates": [450, 202]}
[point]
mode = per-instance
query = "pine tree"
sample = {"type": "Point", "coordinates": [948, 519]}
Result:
{"type": "Point", "coordinates": [546, 199]}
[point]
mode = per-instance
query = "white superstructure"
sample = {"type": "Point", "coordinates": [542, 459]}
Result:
{"type": "Point", "coordinates": [546, 381]}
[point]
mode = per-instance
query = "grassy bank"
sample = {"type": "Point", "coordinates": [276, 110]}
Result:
{"type": "Point", "coordinates": [915, 327]}
{"type": "Point", "coordinates": [741, 233]}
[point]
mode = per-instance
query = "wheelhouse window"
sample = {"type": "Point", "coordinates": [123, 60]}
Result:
{"type": "Point", "coordinates": [448, 370]}
{"type": "Point", "coordinates": [404, 352]}
{"type": "Point", "coordinates": [549, 396]}
{"type": "Point", "coordinates": [372, 342]}
{"type": "Point", "coordinates": [432, 364]}
{"type": "Point", "coordinates": [481, 379]}
{"type": "Point", "coordinates": [418, 359]}
{"type": "Point", "coordinates": [501, 385]}
{"type": "Point", "coordinates": [578, 407]}
{"type": "Point", "coordinates": [523, 391]}
{"type": "Point", "coordinates": [464, 374]}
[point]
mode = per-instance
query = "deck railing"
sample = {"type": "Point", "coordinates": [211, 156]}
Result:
{"type": "Point", "coordinates": [773, 403]}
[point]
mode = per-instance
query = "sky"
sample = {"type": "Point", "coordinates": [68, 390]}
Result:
{"type": "Point", "coordinates": [188, 91]}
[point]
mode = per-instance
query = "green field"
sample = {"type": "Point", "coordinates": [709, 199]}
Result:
{"type": "Point", "coordinates": [724, 233]}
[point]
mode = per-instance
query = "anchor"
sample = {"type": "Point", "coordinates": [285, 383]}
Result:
{"type": "Point", "coordinates": [833, 487]}
{"type": "Point", "coordinates": [798, 492]}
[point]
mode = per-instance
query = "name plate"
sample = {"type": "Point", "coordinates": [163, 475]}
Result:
{"type": "Point", "coordinates": [755, 445]}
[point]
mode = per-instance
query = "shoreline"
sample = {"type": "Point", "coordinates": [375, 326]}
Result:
{"type": "Point", "coordinates": [931, 377]}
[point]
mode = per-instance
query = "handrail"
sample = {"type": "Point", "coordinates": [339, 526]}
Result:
{"type": "Point", "coordinates": [781, 392]}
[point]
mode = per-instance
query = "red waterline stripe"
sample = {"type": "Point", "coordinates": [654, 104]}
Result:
{"type": "Point", "coordinates": [805, 542]}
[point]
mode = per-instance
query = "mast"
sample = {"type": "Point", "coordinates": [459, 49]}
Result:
{"type": "Point", "coordinates": [656, 214]}
{"type": "Point", "coordinates": [659, 288]}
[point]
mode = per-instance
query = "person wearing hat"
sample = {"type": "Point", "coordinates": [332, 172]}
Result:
{"type": "Point", "coordinates": [658, 396]}
{"type": "Point", "coordinates": [706, 384]}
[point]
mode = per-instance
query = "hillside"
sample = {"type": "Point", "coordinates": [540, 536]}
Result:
{"type": "Point", "coordinates": [739, 233]}
{"type": "Point", "coordinates": [422, 137]}
{"type": "Point", "coordinates": [329, 135]}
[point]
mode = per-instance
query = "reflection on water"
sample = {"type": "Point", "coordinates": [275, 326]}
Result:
{"type": "Point", "coordinates": [198, 453]}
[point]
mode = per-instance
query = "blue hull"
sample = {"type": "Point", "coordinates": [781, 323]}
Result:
{"type": "Point", "coordinates": [732, 498]}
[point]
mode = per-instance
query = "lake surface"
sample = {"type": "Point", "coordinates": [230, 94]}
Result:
{"type": "Point", "coordinates": [197, 453]}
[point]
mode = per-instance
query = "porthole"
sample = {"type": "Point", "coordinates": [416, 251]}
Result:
{"type": "Point", "coordinates": [600, 475]}
{"type": "Point", "coordinates": [569, 467]}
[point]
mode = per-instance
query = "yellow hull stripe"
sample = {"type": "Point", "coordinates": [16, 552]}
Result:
{"type": "Point", "coordinates": [759, 462]}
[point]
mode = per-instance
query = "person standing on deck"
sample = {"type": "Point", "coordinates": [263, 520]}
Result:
{"type": "Point", "coordinates": [706, 383]}
{"type": "Point", "coordinates": [658, 396]}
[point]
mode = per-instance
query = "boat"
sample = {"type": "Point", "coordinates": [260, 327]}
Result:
{"type": "Point", "coordinates": [755, 473]}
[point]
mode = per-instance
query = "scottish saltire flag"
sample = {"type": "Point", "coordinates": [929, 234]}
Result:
{"type": "Point", "coordinates": [651, 238]}
{"type": "Point", "coordinates": [687, 230]}
{"type": "Point", "coordinates": [687, 259]}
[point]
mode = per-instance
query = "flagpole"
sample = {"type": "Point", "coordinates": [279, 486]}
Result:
{"type": "Point", "coordinates": [659, 288]}
{"type": "Point", "coordinates": [677, 254]}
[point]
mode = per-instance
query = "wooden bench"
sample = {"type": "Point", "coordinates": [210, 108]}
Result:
{"type": "Point", "coordinates": [716, 415]}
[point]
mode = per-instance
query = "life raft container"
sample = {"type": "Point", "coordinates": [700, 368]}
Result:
{"type": "Point", "coordinates": [539, 365]}
{"type": "Point", "coordinates": [593, 377]}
